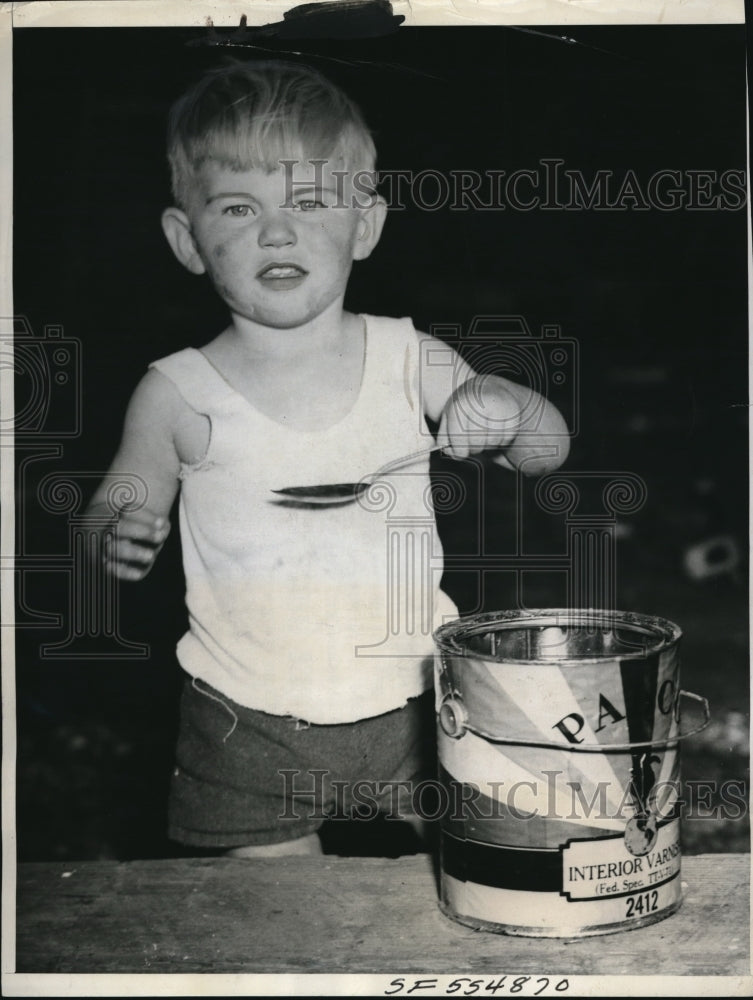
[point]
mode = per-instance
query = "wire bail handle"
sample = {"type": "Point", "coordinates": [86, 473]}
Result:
{"type": "Point", "coordinates": [454, 720]}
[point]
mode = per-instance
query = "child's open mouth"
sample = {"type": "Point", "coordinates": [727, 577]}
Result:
{"type": "Point", "coordinates": [282, 276]}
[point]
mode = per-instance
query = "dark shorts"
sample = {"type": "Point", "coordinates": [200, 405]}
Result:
{"type": "Point", "coordinates": [244, 777]}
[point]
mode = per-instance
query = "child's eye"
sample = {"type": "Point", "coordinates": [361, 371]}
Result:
{"type": "Point", "coordinates": [309, 205]}
{"type": "Point", "coordinates": [237, 211]}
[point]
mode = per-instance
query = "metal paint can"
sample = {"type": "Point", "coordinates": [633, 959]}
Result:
{"type": "Point", "coordinates": [558, 744]}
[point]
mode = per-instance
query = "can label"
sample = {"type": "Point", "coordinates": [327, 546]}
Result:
{"type": "Point", "coordinates": [544, 914]}
{"type": "Point", "coordinates": [585, 886]}
{"type": "Point", "coordinates": [600, 869]}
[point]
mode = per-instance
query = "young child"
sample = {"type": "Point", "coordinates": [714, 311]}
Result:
{"type": "Point", "coordinates": [295, 682]}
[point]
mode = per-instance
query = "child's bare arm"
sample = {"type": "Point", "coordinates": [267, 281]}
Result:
{"type": "Point", "coordinates": [147, 451]}
{"type": "Point", "coordinates": [478, 412]}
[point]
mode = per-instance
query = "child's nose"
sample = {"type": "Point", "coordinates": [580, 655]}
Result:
{"type": "Point", "coordinates": [277, 231]}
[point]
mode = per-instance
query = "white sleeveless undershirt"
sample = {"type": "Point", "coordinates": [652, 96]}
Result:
{"type": "Point", "coordinates": [322, 613]}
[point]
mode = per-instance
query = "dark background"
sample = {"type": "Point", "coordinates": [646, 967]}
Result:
{"type": "Point", "coordinates": [655, 301]}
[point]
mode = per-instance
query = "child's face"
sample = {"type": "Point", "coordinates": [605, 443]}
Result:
{"type": "Point", "coordinates": [278, 246]}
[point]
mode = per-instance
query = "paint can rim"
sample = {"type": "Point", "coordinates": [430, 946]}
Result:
{"type": "Point", "coordinates": [451, 637]}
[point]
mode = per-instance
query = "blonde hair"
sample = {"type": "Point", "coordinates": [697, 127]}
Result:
{"type": "Point", "coordinates": [254, 114]}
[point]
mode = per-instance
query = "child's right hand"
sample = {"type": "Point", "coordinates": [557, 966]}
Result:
{"type": "Point", "coordinates": [137, 539]}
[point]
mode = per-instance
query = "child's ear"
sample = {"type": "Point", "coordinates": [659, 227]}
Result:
{"type": "Point", "coordinates": [177, 230]}
{"type": "Point", "coordinates": [370, 225]}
